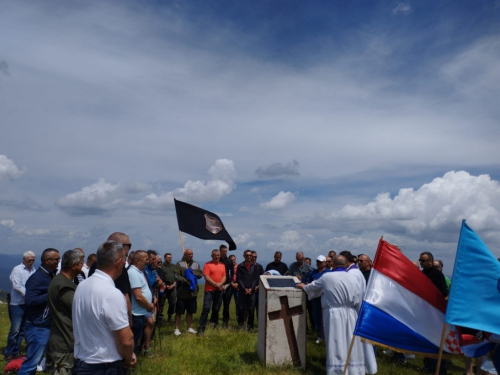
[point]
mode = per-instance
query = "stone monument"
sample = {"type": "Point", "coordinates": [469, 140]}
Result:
{"type": "Point", "coordinates": [282, 322]}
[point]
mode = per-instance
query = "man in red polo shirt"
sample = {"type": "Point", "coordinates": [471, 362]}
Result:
{"type": "Point", "coordinates": [215, 277]}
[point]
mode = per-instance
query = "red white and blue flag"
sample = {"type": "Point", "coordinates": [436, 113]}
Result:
{"type": "Point", "coordinates": [403, 310]}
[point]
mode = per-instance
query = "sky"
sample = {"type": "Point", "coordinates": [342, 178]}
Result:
{"type": "Point", "coordinates": [306, 126]}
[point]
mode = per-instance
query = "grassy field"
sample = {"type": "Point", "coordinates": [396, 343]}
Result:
{"type": "Point", "coordinates": [229, 352]}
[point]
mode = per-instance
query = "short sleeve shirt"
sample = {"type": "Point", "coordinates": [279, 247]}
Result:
{"type": "Point", "coordinates": [215, 271]}
{"type": "Point", "coordinates": [99, 309]}
{"type": "Point", "coordinates": [138, 280]}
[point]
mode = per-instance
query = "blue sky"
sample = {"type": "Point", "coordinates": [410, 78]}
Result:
{"type": "Point", "coordinates": [304, 125]}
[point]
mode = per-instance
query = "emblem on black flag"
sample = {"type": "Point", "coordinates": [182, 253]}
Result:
{"type": "Point", "coordinates": [213, 224]}
{"type": "Point", "coordinates": [201, 223]}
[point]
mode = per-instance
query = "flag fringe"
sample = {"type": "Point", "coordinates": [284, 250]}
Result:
{"type": "Point", "coordinates": [429, 355]}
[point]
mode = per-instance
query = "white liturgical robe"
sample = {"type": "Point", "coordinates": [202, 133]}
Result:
{"type": "Point", "coordinates": [369, 353]}
{"type": "Point", "coordinates": [341, 296]}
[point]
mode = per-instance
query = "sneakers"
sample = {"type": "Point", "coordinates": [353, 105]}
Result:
{"type": "Point", "coordinates": [318, 340]}
{"type": "Point", "coordinates": [177, 332]}
{"type": "Point", "coordinates": [190, 330]}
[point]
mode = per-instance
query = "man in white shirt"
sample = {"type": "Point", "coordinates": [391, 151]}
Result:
{"type": "Point", "coordinates": [86, 267]}
{"type": "Point", "coordinates": [104, 342]}
{"type": "Point", "coordinates": [18, 278]}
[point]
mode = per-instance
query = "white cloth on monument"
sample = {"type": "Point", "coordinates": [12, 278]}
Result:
{"type": "Point", "coordinates": [369, 353]}
{"type": "Point", "coordinates": [341, 297]}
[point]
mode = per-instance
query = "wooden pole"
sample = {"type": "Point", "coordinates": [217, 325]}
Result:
{"type": "Point", "coordinates": [182, 242]}
{"type": "Point", "coordinates": [440, 356]}
{"type": "Point", "coordinates": [348, 354]}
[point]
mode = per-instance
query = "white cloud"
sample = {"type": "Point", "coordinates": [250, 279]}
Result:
{"type": "Point", "coordinates": [438, 206]}
{"type": "Point", "coordinates": [8, 223]}
{"type": "Point", "coordinates": [136, 187]}
{"type": "Point", "coordinates": [8, 169]}
{"type": "Point", "coordinates": [354, 244]}
{"type": "Point", "coordinates": [473, 73]}
{"type": "Point", "coordinates": [280, 201]}
{"type": "Point", "coordinates": [96, 199]}
{"type": "Point", "coordinates": [403, 8]}
{"type": "Point", "coordinates": [222, 183]}
{"type": "Point", "coordinates": [241, 238]}
{"type": "Point", "coordinates": [291, 240]}
{"type": "Point", "coordinates": [277, 170]}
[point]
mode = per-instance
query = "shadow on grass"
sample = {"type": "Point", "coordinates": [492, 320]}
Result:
{"type": "Point", "coordinates": [250, 357]}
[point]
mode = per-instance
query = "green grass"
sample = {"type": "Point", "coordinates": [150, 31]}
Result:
{"type": "Point", "coordinates": [229, 352]}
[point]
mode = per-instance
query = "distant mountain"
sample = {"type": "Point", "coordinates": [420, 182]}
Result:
{"type": "Point", "coordinates": [7, 263]}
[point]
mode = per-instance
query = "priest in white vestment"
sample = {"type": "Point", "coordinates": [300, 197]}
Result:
{"type": "Point", "coordinates": [341, 297]}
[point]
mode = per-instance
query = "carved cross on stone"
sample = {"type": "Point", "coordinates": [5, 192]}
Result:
{"type": "Point", "coordinates": [286, 314]}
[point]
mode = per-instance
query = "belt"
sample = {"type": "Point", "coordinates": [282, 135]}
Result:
{"type": "Point", "coordinates": [98, 366]}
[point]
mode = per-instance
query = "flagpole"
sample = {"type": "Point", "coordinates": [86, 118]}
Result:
{"type": "Point", "coordinates": [441, 349]}
{"type": "Point", "coordinates": [182, 243]}
{"type": "Point", "coordinates": [349, 354]}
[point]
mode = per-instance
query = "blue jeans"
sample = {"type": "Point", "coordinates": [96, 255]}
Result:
{"type": "Point", "coordinates": [16, 333]}
{"type": "Point", "coordinates": [37, 340]}
{"type": "Point", "coordinates": [138, 322]}
{"type": "Point", "coordinates": [212, 300]}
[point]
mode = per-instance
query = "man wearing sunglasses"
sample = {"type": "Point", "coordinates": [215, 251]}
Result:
{"type": "Point", "coordinates": [436, 276]}
{"type": "Point", "coordinates": [365, 265]}
{"type": "Point", "coordinates": [247, 277]}
{"type": "Point", "coordinates": [122, 282]}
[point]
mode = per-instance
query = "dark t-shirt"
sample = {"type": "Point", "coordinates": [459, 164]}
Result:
{"type": "Point", "coordinates": [122, 282]}
{"type": "Point", "coordinates": [281, 267]}
{"type": "Point", "coordinates": [366, 275]}
{"type": "Point", "coordinates": [228, 264]}
{"type": "Point", "coordinates": [437, 278]}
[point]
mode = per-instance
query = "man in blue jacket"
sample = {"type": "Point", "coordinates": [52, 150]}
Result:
{"type": "Point", "coordinates": [38, 322]}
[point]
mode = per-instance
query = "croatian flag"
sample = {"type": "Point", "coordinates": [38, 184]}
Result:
{"type": "Point", "coordinates": [402, 309]}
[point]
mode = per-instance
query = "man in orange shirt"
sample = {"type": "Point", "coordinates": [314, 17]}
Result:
{"type": "Point", "coordinates": [215, 277]}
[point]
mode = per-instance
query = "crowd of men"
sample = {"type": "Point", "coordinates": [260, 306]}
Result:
{"type": "Point", "coordinates": [117, 296]}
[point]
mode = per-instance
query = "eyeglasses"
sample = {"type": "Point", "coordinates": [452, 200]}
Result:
{"type": "Point", "coordinates": [54, 259]}
{"type": "Point", "coordinates": [423, 260]}
{"type": "Point", "coordinates": [129, 245]}
{"type": "Point", "coordinates": [248, 255]}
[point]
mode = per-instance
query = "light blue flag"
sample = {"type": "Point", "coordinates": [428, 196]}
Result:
{"type": "Point", "coordinates": [474, 299]}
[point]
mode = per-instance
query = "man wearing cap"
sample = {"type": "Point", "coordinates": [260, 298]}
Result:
{"type": "Point", "coordinates": [317, 314]}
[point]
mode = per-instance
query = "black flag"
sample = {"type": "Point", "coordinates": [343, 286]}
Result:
{"type": "Point", "coordinates": [201, 223]}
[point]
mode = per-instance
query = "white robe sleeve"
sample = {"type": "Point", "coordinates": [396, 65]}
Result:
{"type": "Point", "coordinates": [315, 289]}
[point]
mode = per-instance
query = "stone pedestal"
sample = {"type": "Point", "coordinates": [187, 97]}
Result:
{"type": "Point", "coordinates": [282, 322]}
